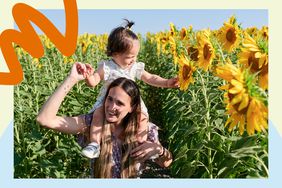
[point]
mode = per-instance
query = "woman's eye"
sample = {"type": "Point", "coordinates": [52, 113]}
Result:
{"type": "Point", "coordinates": [119, 103]}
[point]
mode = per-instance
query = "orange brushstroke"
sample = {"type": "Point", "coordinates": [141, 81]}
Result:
{"type": "Point", "coordinates": [28, 39]}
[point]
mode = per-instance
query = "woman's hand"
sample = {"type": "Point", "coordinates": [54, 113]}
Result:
{"type": "Point", "coordinates": [146, 150]}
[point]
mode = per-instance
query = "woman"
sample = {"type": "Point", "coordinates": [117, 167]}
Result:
{"type": "Point", "coordinates": [120, 151]}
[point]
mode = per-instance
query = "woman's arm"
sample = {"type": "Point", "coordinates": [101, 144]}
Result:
{"type": "Point", "coordinates": [157, 81]}
{"type": "Point", "coordinates": [148, 149]}
{"type": "Point", "coordinates": [47, 116]}
{"type": "Point", "coordinates": [165, 157]}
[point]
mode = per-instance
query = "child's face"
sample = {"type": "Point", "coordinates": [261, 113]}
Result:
{"type": "Point", "coordinates": [126, 59]}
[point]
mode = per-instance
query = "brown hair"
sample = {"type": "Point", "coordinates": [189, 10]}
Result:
{"type": "Point", "coordinates": [120, 39]}
{"type": "Point", "coordinates": [103, 166]}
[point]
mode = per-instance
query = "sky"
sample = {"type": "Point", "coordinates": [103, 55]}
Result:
{"type": "Point", "coordinates": [103, 21]}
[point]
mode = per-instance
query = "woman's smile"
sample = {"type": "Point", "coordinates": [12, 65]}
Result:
{"type": "Point", "coordinates": [117, 105]}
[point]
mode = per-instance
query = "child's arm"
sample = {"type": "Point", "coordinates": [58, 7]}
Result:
{"type": "Point", "coordinates": [157, 81]}
{"type": "Point", "coordinates": [93, 78]}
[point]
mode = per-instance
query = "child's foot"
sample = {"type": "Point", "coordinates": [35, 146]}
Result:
{"type": "Point", "coordinates": [91, 151]}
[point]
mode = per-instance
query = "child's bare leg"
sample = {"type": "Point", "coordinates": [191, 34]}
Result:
{"type": "Point", "coordinates": [96, 126]}
{"type": "Point", "coordinates": [142, 132]}
{"type": "Point", "coordinates": [92, 150]}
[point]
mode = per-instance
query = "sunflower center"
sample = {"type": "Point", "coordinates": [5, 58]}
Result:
{"type": "Point", "coordinates": [186, 70]}
{"type": "Point", "coordinates": [193, 53]}
{"type": "Point", "coordinates": [207, 53]}
{"type": "Point", "coordinates": [253, 62]}
{"type": "Point", "coordinates": [231, 36]}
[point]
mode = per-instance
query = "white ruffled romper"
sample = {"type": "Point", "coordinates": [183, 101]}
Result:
{"type": "Point", "coordinates": [113, 71]}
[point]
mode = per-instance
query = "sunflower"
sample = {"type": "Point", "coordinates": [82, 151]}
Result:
{"type": "Point", "coordinates": [264, 32]}
{"type": "Point", "coordinates": [46, 41]}
{"type": "Point", "coordinates": [183, 33]}
{"type": "Point", "coordinates": [245, 106]}
{"type": "Point", "coordinates": [206, 50]}
{"type": "Point", "coordinates": [172, 29]}
{"type": "Point", "coordinates": [193, 53]}
{"type": "Point", "coordinates": [186, 70]}
{"type": "Point", "coordinates": [252, 31]}
{"type": "Point", "coordinates": [36, 61]}
{"type": "Point", "coordinates": [162, 39]}
{"type": "Point", "coordinates": [84, 41]}
{"type": "Point", "coordinates": [102, 41]}
{"type": "Point", "coordinates": [256, 59]}
{"type": "Point", "coordinates": [229, 36]}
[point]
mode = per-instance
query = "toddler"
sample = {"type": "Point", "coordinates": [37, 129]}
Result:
{"type": "Point", "coordinates": [123, 48]}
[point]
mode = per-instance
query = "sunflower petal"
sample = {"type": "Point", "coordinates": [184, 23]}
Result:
{"type": "Point", "coordinates": [237, 98]}
{"type": "Point", "coordinates": [235, 90]}
{"type": "Point", "coordinates": [244, 103]}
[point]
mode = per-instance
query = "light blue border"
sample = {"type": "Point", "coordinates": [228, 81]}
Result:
{"type": "Point", "coordinates": [7, 170]}
{"type": "Point", "coordinates": [7, 178]}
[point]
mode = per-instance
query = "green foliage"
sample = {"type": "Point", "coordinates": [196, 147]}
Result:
{"type": "Point", "coordinates": [191, 123]}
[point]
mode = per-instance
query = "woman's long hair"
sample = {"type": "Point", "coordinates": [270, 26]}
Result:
{"type": "Point", "coordinates": [103, 166]}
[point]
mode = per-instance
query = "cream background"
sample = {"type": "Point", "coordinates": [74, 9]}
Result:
{"type": "Point", "coordinates": [6, 22]}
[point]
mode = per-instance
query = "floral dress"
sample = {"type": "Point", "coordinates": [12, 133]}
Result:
{"type": "Point", "coordinates": [113, 71]}
{"type": "Point", "coordinates": [83, 140]}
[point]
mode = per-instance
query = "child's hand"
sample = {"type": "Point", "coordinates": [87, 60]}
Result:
{"type": "Point", "coordinates": [173, 83]}
{"type": "Point", "coordinates": [85, 69]}
{"type": "Point", "coordinates": [89, 70]}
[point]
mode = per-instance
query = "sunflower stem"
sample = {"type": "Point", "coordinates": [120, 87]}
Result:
{"type": "Point", "coordinates": [207, 122]}
{"type": "Point", "coordinates": [256, 157]}
{"type": "Point", "coordinates": [219, 48]}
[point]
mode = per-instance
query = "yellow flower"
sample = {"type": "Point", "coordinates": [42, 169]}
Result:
{"type": "Point", "coordinates": [84, 41]}
{"type": "Point", "coordinates": [244, 108]}
{"type": "Point", "coordinates": [255, 59]}
{"type": "Point", "coordinates": [67, 59]}
{"type": "Point", "coordinates": [46, 41]}
{"type": "Point", "coordinates": [102, 42]}
{"type": "Point", "coordinates": [206, 50]}
{"type": "Point", "coordinates": [228, 71]}
{"type": "Point", "coordinates": [36, 62]}
{"type": "Point", "coordinates": [162, 40]}
{"type": "Point", "coordinates": [229, 35]}
{"type": "Point", "coordinates": [264, 32]}
{"type": "Point", "coordinates": [186, 70]}
{"type": "Point", "coordinates": [193, 53]}
{"type": "Point", "coordinates": [252, 31]}
{"type": "Point", "coordinates": [172, 29]}
{"type": "Point", "coordinates": [183, 33]}
{"type": "Point", "coordinates": [256, 116]}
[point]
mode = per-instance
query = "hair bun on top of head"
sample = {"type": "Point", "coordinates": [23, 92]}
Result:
{"type": "Point", "coordinates": [128, 24]}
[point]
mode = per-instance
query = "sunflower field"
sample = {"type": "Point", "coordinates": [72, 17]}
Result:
{"type": "Point", "coordinates": [215, 124]}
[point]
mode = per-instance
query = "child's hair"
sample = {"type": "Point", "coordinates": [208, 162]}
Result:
{"type": "Point", "coordinates": [120, 39]}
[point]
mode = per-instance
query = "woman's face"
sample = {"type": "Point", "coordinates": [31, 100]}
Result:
{"type": "Point", "coordinates": [117, 105]}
